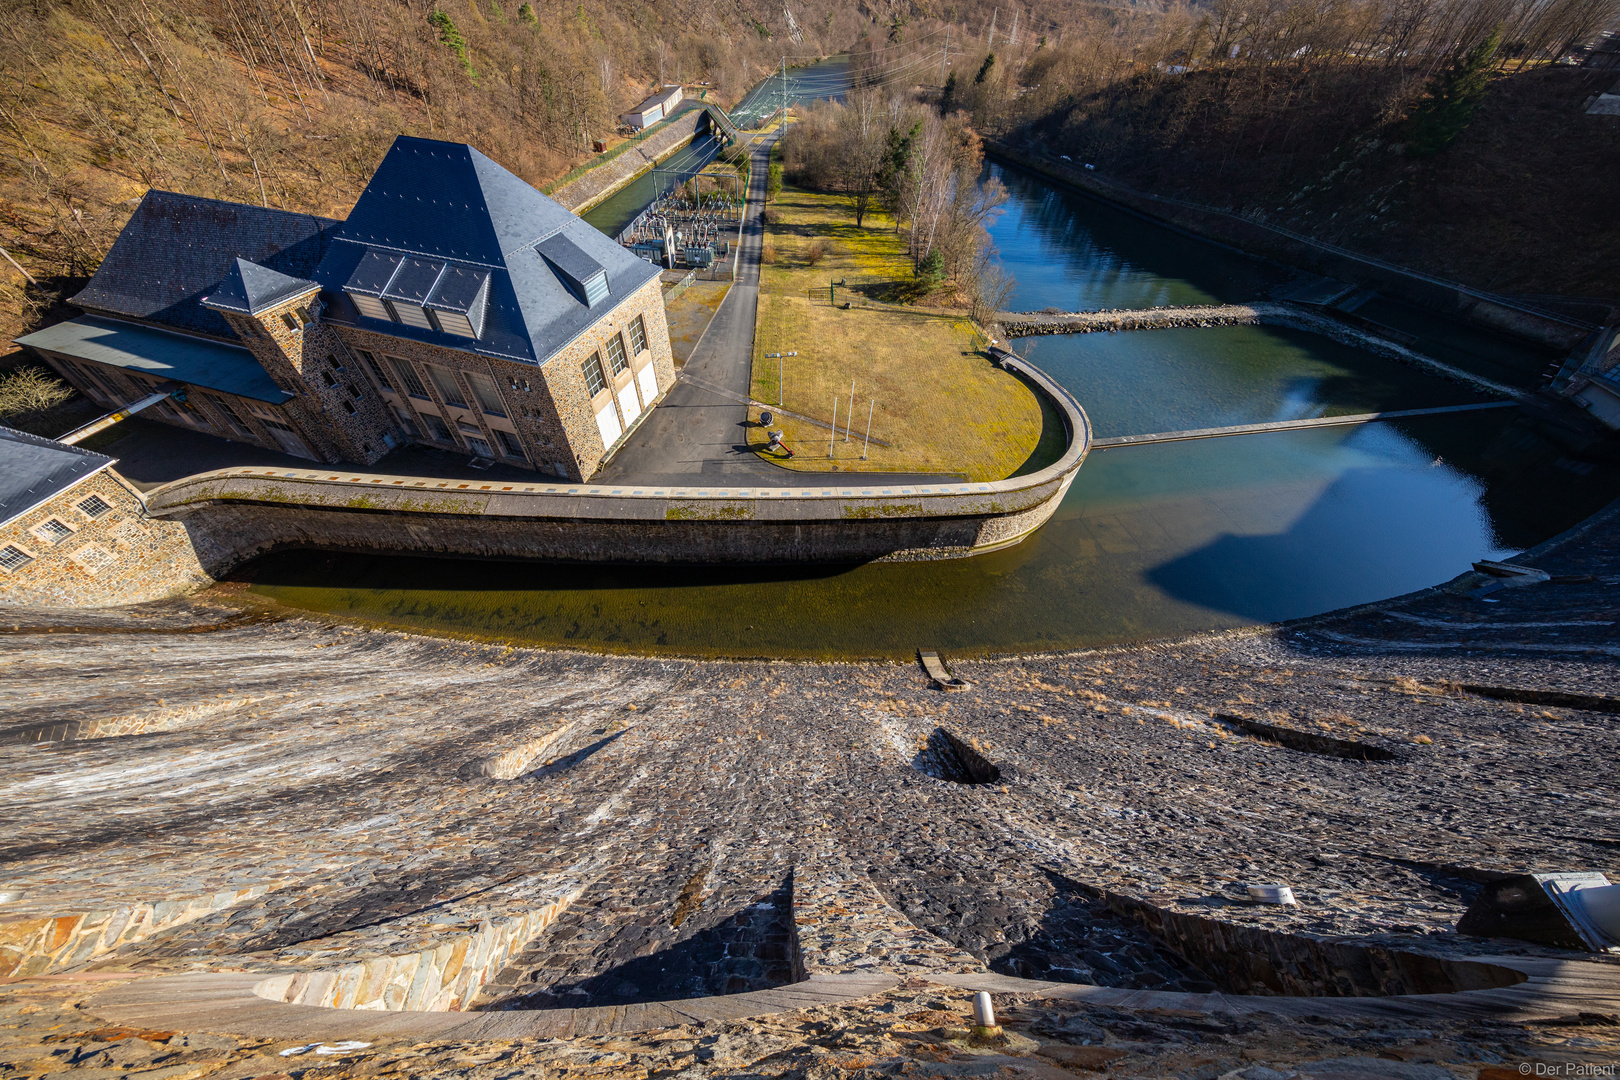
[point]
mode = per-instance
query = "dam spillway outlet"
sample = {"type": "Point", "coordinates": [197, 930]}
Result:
{"type": "Point", "coordinates": [947, 757]}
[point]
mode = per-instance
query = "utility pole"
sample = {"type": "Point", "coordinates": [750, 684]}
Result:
{"type": "Point", "coordinates": [990, 42]}
{"type": "Point", "coordinates": [1012, 39]}
{"type": "Point", "coordinates": [851, 414]}
{"type": "Point", "coordinates": [869, 407]}
{"type": "Point", "coordinates": [784, 93]}
{"type": "Point", "coordinates": [944, 54]}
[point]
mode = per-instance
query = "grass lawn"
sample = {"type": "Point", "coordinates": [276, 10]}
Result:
{"type": "Point", "coordinates": [938, 400]}
{"type": "Point", "coordinates": [690, 313]}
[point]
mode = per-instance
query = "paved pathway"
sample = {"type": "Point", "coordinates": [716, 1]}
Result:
{"type": "Point", "coordinates": [698, 434]}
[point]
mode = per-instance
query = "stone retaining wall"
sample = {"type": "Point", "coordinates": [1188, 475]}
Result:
{"type": "Point", "coordinates": [40, 943]}
{"type": "Point", "coordinates": [234, 515]}
{"type": "Point", "coordinates": [1265, 312]}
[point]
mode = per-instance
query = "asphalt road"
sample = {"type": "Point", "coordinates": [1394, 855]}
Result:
{"type": "Point", "coordinates": [699, 437]}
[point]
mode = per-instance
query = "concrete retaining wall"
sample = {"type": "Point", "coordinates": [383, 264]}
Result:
{"type": "Point", "coordinates": [1493, 312]}
{"type": "Point", "coordinates": [234, 515]}
{"type": "Point", "coordinates": [597, 184]}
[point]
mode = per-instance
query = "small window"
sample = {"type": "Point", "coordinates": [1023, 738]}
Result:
{"type": "Point", "coordinates": [489, 399]}
{"type": "Point", "coordinates": [449, 389]}
{"type": "Point", "coordinates": [615, 353]}
{"type": "Point", "coordinates": [509, 444]}
{"type": "Point", "coordinates": [407, 376]}
{"type": "Point", "coordinates": [13, 557]}
{"type": "Point", "coordinates": [593, 374]}
{"type": "Point", "coordinates": [329, 378]}
{"type": "Point", "coordinates": [412, 315]}
{"type": "Point", "coordinates": [349, 405]}
{"type": "Point", "coordinates": [94, 506]}
{"type": "Point", "coordinates": [290, 319]}
{"type": "Point", "coordinates": [304, 317]}
{"type": "Point", "coordinates": [371, 307]}
{"type": "Point", "coordinates": [638, 336]}
{"type": "Point", "coordinates": [52, 531]}
{"type": "Point", "coordinates": [436, 429]}
{"type": "Point", "coordinates": [376, 369]}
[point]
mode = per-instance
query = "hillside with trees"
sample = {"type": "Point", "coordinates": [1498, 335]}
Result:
{"type": "Point", "coordinates": [1449, 135]}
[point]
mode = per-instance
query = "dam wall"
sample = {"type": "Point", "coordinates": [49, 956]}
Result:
{"type": "Point", "coordinates": [235, 515]}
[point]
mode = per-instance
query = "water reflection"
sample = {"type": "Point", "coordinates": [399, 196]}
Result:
{"type": "Point", "coordinates": [1150, 541]}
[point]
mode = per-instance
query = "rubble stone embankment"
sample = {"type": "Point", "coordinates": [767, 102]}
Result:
{"type": "Point", "coordinates": [676, 798]}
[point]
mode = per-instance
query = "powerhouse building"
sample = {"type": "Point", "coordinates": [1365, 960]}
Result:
{"type": "Point", "coordinates": [456, 307]}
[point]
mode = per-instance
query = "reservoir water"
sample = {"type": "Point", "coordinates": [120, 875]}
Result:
{"type": "Point", "coordinates": [1151, 541]}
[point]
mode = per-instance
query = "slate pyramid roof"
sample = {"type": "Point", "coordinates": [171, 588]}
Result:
{"type": "Point", "coordinates": [448, 203]}
{"type": "Point", "coordinates": [176, 249]}
{"type": "Point", "coordinates": [250, 288]}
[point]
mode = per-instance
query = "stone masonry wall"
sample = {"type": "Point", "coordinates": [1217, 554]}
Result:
{"type": "Point", "coordinates": [547, 410]}
{"type": "Point", "coordinates": [337, 410]}
{"type": "Point", "coordinates": [122, 556]}
{"type": "Point", "coordinates": [39, 942]}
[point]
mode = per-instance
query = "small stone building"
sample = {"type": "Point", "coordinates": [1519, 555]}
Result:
{"type": "Point", "coordinates": [456, 307]}
{"type": "Point", "coordinates": [73, 533]}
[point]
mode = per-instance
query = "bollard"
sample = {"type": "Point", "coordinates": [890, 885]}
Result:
{"type": "Point", "coordinates": [984, 1017]}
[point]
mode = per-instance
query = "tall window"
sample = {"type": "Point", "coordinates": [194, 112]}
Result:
{"type": "Point", "coordinates": [638, 336]}
{"type": "Point", "coordinates": [405, 421]}
{"type": "Point", "coordinates": [615, 351]}
{"type": "Point", "coordinates": [375, 368]}
{"type": "Point", "coordinates": [407, 376]}
{"type": "Point", "coordinates": [449, 389]}
{"type": "Point", "coordinates": [509, 444]}
{"type": "Point", "coordinates": [489, 399]}
{"type": "Point", "coordinates": [231, 417]}
{"type": "Point", "coordinates": [436, 429]}
{"type": "Point", "coordinates": [593, 374]}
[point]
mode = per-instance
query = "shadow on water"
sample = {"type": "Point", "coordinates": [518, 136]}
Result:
{"type": "Point", "coordinates": [1318, 562]}
{"type": "Point", "coordinates": [426, 574]}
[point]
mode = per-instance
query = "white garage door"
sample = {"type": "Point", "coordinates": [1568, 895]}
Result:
{"type": "Point", "coordinates": [648, 382]}
{"type": "Point", "coordinates": [607, 421]}
{"type": "Point", "coordinates": [628, 402]}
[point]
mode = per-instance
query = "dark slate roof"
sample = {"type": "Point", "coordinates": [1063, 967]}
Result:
{"type": "Point", "coordinates": [176, 249]}
{"type": "Point", "coordinates": [448, 203]}
{"type": "Point", "coordinates": [163, 354]}
{"type": "Point", "coordinates": [250, 288]}
{"type": "Point", "coordinates": [32, 469]}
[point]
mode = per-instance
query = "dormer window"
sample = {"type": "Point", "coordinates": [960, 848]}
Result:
{"type": "Point", "coordinates": [580, 274]}
{"type": "Point", "coordinates": [429, 294]}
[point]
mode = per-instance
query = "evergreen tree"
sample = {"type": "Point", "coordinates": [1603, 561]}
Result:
{"type": "Point", "coordinates": [1451, 100]}
{"type": "Point", "coordinates": [452, 38]}
{"type": "Point", "coordinates": [526, 13]}
{"type": "Point", "coordinates": [984, 70]}
{"type": "Point", "coordinates": [947, 100]}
